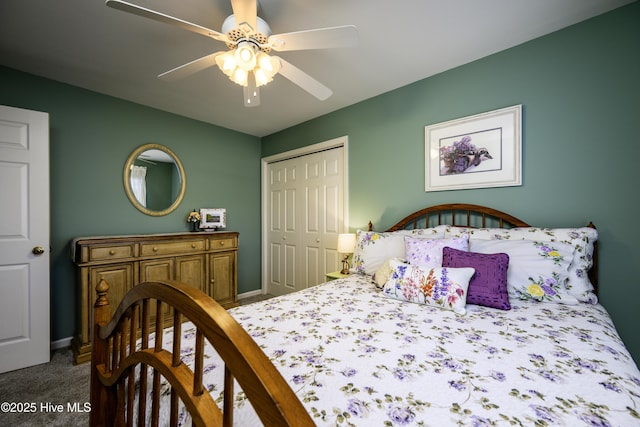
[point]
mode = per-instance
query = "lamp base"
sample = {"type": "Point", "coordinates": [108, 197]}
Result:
{"type": "Point", "coordinates": [345, 265]}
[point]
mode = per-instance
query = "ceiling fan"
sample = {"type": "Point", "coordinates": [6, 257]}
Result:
{"type": "Point", "coordinates": [249, 41]}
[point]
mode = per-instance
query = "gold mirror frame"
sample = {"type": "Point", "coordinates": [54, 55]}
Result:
{"type": "Point", "coordinates": [126, 175]}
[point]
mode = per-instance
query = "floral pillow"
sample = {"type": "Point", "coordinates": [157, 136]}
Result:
{"type": "Point", "coordinates": [442, 287]}
{"type": "Point", "coordinates": [428, 253]}
{"type": "Point", "coordinates": [374, 248]}
{"type": "Point", "coordinates": [488, 286]}
{"type": "Point", "coordinates": [537, 270]}
{"type": "Point", "coordinates": [581, 238]}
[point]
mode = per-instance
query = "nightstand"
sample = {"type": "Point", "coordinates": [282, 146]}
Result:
{"type": "Point", "coordinates": [335, 275]}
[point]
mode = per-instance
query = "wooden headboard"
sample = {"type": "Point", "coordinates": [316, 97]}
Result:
{"type": "Point", "coordinates": [460, 215]}
{"type": "Point", "coordinates": [473, 216]}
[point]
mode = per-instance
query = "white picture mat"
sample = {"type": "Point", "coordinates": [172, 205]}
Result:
{"type": "Point", "coordinates": [499, 131]}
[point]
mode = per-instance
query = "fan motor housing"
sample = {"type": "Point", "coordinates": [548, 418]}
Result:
{"type": "Point", "coordinates": [244, 32]}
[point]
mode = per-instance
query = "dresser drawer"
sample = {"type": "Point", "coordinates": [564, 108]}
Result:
{"type": "Point", "coordinates": [102, 253]}
{"type": "Point", "coordinates": [174, 247]}
{"type": "Point", "coordinates": [220, 243]}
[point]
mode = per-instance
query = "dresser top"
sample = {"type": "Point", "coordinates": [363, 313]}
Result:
{"type": "Point", "coordinates": [133, 238]}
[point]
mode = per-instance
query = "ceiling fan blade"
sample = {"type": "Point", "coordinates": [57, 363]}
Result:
{"type": "Point", "coordinates": [322, 38]}
{"type": "Point", "coordinates": [245, 11]}
{"type": "Point", "coordinates": [190, 68]}
{"type": "Point", "coordinates": [161, 17]}
{"type": "Point", "coordinates": [304, 80]}
{"type": "Point", "coordinates": [251, 92]}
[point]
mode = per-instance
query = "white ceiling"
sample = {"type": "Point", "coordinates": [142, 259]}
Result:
{"type": "Point", "coordinates": [87, 44]}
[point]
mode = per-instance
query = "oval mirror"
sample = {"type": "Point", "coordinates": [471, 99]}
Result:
{"type": "Point", "coordinates": [154, 179]}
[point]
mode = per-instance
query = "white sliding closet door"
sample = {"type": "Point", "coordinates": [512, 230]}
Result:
{"type": "Point", "coordinates": [304, 211]}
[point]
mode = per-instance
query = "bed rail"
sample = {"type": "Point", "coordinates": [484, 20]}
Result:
{"type": "Point", "coordinates": [114, 357]}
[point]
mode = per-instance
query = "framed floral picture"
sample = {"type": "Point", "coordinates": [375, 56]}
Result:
{"type": "Point", "coordinates": [480, 151]}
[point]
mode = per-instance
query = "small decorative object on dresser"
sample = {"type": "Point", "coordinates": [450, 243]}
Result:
{"type": "Point", "coordinates": [213, 219]}
{"type": "Point", "coordinates": [207, 262]}
{"type": "Point", "coordinates": [194, 218]}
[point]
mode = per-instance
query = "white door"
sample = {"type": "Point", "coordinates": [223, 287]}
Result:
{"type": "Point", "coordinates": [322, 215]}
{"type": "Point", "coordinates": [304, 213]}
{"type": "Point", "coordinates": [282, 217]}
{"type": "Point", "coordinates": [24, 238]}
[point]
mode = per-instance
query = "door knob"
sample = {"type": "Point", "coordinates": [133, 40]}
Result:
{"type": "Point", "coordinates": [37, 250]}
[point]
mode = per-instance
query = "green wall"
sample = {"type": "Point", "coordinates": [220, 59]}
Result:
{"type": "Point", "coordinates": [91, 137]}
{"type": "Point", "coordinates": [580, 91]}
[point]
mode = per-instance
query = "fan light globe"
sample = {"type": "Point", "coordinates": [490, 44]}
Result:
{"type": "Point", "coordinates": [240, 76]}
{"type": "Point", "coordinates": [246, 56]}
{"type": "Point", "coordinates": [264, 62]}
{"type": "Point", "coordinates": [267, 68]}
{"type": "Point", "coordinates": [226, 62]}
{"type": "Point", "coordinates": [261, 77]}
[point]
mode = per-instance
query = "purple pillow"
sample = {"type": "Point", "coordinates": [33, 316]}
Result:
{"type": "Point", "coordinates": [488, 286]}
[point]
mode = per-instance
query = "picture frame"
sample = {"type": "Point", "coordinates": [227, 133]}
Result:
{"type": "Point", "coordinates": [213, 219]}
{"type": "Point", "coordinates": [479, 151]}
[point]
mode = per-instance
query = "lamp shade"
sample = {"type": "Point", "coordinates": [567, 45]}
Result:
{"type": "Point", "coordinates": [346, 243]}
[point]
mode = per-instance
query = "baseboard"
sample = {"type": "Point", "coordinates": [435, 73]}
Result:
{"type": "Point", "coordinates": [250, 294]}
{"type": "Point", "coordinates": [64, 342]}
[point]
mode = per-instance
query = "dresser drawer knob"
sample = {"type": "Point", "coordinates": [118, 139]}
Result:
{"type": "Point", "coordinates": [112, 252]}
{"type": "Point", "coordinates": [155, 249]}
{"type": "Point", "coordinates": [193, 245]}
{"type": "Point", "coordinates": [221, 242]}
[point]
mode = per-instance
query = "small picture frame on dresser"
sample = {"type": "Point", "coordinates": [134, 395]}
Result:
{"type": "Point", "coordinates": [213, 219]}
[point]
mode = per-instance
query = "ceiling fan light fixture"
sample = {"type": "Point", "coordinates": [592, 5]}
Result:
{"type": "Point", "coordinates": [265, 62]}
{"type": "Point", "coordinates": [227, 62]}
{"type": "Point", "coordinates": [249, 41]}
{"type": "Point", "coordinates": [240, 76]}
{"type": "Point", "coordinates": [265, 70]}
{"type": "Point", "coordinates": [246, 56]}
{"type": "Point", "coordinates": [262, 78]}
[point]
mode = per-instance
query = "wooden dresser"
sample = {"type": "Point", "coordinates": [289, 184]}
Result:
{"type": "Point", "coordinates": [206, 260]}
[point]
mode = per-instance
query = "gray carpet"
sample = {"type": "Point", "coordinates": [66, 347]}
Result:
{"type": "Point", "coordinates": [58, 382]}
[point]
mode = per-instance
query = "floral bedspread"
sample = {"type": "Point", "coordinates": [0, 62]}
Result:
{"type": "Point", "coordinates": [356, 357]}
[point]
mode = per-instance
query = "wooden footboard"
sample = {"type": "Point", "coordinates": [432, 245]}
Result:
{"type": "Point", "coordinates": [115, 381]}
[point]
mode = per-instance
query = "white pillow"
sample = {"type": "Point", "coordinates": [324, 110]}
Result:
{"type": "Point", "coordinates": [373, 248]}
{"type": "Point", "coordinates": [582, 239]}
{"type": "Point", "coordinates": [442, 287]}
{"type": "Point", "coordinates": [537, 270]}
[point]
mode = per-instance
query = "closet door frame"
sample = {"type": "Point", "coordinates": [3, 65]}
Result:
{"type": "Point", "coordinates": [340, 142]}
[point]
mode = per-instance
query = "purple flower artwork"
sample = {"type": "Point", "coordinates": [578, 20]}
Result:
{"type": "Point", "coordinates": [461, 156]}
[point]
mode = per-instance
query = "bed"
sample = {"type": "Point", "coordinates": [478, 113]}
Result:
{"type": "Point", "coordinates": [397, 342]}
